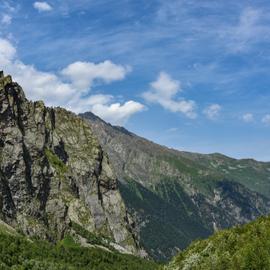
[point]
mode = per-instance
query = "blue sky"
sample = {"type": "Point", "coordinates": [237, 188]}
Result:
{"type": "Point", "coordinates": [193, 75]}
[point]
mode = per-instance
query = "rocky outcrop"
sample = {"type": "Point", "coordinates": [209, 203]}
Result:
{"type": "Point", "coordinates": [54, 173]}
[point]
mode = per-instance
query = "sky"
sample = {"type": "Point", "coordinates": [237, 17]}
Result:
{"type": "Point", "coordinates": [191, 75]}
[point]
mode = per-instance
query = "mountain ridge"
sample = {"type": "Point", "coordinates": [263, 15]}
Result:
{"type": "Point", "coordinates": [219, 191]}
{"type": "Point", "coordinates": [93, 117]}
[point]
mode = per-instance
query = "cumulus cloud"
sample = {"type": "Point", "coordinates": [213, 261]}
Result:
{"type": "Point", "coordinates": [42, 6]}
{"type": "Point", "coordinates": [6, 19]}
{"type": "Point", "coordinates": [266, 119]}
{"type": "Point", "coordinates": [212, 111]}
{"type": "Point", "coordinates": [74, 95]}
{"type": "Point", "coordinates": [163, 92]}
{"type": "Point", "coordinates": [116, 113]}
{"type": "Point", "coordinates": [82, 74]}
{"type": "Point", "coordinates": [7, 52]}
{"type": "Point", "coordinates": [248, 117]}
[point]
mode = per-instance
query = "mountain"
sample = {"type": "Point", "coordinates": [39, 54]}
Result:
{"type": "Point", "coordinates": [62, 206]}
{"type": "Point", "coordinates": [55, 178]}
{"type": "Point", "coordinates": [177, 197]}
{"type": "Point", "coordinates": [20, 252]}
{"type": "Point", "coordinates": [243, 247]}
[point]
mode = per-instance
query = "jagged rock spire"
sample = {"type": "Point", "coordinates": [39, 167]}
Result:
{"type": "Point", "coordinates": [4, 80]}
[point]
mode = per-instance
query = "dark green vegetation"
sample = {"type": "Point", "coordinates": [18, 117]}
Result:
{"type": "Point", "coordinates": [175, 220]}
{"type": "Point", "coordinates": [90, 237]}
{"type": "Point", "coordinates": [178, 197]}
{"type": "Point", "coordinates": [20, 253]}
{"type": "Point", "coordinates": [243, 247]}
{"type": "Point", "coordinates": [56, 162]}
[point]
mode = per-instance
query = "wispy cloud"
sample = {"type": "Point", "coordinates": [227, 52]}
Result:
{"type": "Point", "coordinates": [8, 10]}
{"type": "Point", "coordinates": [251, 29]}
{"type": "Point", "coordinates": [183, 27]}
{"type": "Point", "coordinates": [212, 112]}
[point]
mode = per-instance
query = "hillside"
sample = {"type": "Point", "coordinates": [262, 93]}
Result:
{"type": "Point", "coordinates": [243, 247]}
{"type": "Point", "coordinates": [178, 196]}
{"type": "Point", "coordinates": [18, 252]}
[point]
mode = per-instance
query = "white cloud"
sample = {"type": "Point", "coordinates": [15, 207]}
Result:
{"type": "Point", "coordinates": [266, 119]}
{"type": "Point", "coordinates": [42, 6]}
{"type": "Point", "coordinates": [166, 86]}
{"type": "Point", "coordinates": [82, 74]}
{"type": "Point", "coordinates": [41, 85]}
{"type": "Point", "coordinates": [116, 113]}
{"type": "Point", "coordinates": [212, 111]}
{"type": "Point", "coordinates": [53, 89]}
{"type": "Point", "coordinates": [6, 19]}
{"type": "Point", "coordinates": [248, 117]}
{"type": "Point", "coordinates": [7, 52]}
{"type": "Point", "coordinates": [163, 92]}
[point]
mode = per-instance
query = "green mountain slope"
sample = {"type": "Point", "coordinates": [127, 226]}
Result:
{"type": "Point", "coordinates": [177, 197]}
{"type": "Point", "coordinates": [20, 253]}
{"type": "Point", "coordinates": [248, 172]}
{"type": "Point", "coordinates": [243, 247]}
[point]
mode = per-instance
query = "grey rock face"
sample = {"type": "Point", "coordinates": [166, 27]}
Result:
{"type": "Point", "coordinates": [53, 173]}
{"type": "Point", "coordinates": [177, 196]}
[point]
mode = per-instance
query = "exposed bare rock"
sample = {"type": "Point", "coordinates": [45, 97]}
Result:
{"type": "Point", "coordinates": [53, 173]}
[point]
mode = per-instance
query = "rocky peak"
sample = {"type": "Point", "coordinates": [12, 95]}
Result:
{"type": "Point", "coordinates": [54, 175]}
{"type": "Point", "coordinates": [4, 80]}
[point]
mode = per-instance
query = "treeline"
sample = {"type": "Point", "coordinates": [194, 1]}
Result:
{"type": "Point", "coordinates": [20, 253]}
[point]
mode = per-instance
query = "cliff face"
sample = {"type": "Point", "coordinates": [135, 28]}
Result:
{"type": "Point", "coordinates": [178, 197]}
{"type": "Point", "coordinates": [54, 173]}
